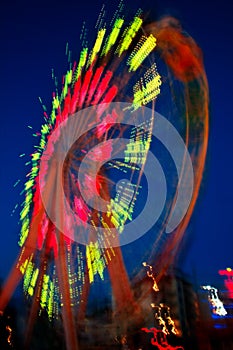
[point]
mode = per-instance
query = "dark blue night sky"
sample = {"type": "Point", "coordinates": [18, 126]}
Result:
{"type": "Point", "coordinates": [33, 39]}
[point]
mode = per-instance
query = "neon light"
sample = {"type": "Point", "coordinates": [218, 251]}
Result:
{"type": "Point", "coordinates": [111, 93]}
{"type": "Point", "coordinates": [136, 152]}
{"type": "Point", "coordinates": [66, 108]}
{"type": "Point", "coordinates": [24, 212]}
{"type": "Point", "coordinates": [56, 102]}
{"type": "Point", "coordinates": [102, 87]}
{"type": "Point", "coordinates": [44, 292]}
{"type": "Point", "coordinates": [95, 261]}
{"type": "Point", "coordinates": [75, 97]}
{"type": "Point", "coordinates": [128, 35]}
{"type": "Point", "coordinates": [9, 329]}
{"type": "Point", "coordinates": [160, 339]}
{"type": "Point", "coordinates": [24, 231]}
{"type": "Point", "coordinates": [228, 282]}
{"type": "Point", "coordinates": [23, 267]}
{"type": "Point", "coordinates": [150, 274]}
{"type": "Point", "coordinates": [163, 321]}
{"type": "Point", "coordinates": [81, 64]}
{"type": "Point", "coordinates": [216, 304]}
{"type": "Point", "coordinates": [94, 83]}
{"type": "Point", "coordinates": [148, 88]}
{"type": "Point", "coordinates": [145, 46]}
{"type": "Point", "coordinates": [121, 207]}
{"type": "Point", "coordinates": [84, 88]}
{"type": "Point", "coordinates": [68, 80]}
{"type": "Point", "coordinates": [28, 275]}
{"type": "Point", "coordinates": [50, 299]}
{"type": "Point", "coordinates": [33, 282]}
{"type": "Point", "coordinates": [170, 324]}
{"type": "Point", "coordinates": [112, 38]}
{"type": "Point", "coordinates": [97, 46]}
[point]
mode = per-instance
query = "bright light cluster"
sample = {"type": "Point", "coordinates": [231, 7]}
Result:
{"type": "Point", "coordinates": [164, 324]}
{"type": "Point", "coordinates": [228, 282]}
{"type": "Point", "coordinates": [112, 38]}
{"type": "Point", "coordinates": [95, 261]}
{"type": "Point", "coordinates": [128, 35]}
{"type": "Point", "coordinates": [151, 275]}
{"type": "Point", "coordinates": [97, 46]}
{"type": "Point", "coordinates": [145, 46]}
{"type": "Point", "coordinates": [101, 75]}
{"type": "Point", "coordinates": [121, 207]}
{"type": "Point", "coordinates": [160, 339]}
{"type": "Point", "coordinates": [216, 304]}
{"type": "Point", "coordinates": [148, 88]}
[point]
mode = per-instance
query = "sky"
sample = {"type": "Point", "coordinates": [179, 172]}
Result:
{"type": "Point", "coordinates": [33, 37]}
